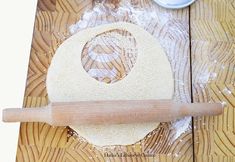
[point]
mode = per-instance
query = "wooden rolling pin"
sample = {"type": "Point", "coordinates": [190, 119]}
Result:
{"type": "Point", "coordinates": [110, 112]}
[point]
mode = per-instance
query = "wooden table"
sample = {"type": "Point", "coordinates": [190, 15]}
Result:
{"type": "Point", "coordinates": [203, 50]}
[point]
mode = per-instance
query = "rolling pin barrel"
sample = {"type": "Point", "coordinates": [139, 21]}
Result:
{"type": "Point", "coordinates": [124, 112]}
{"type": "Point", "coordinates": [110, 112]}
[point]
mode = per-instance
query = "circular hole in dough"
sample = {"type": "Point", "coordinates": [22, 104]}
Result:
{"type": "Point", "coordinates": [109, 57]}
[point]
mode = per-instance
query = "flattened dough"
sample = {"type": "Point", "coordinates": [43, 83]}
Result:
{"type": "Point", "coordinates": [150, 78]}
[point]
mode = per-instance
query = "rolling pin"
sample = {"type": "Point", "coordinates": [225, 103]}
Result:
{"type": "Point", "coordinates": [110, 112]}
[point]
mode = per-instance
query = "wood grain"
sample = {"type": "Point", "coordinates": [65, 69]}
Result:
{"type": "Point", "coordinates": [73, 6]}
{"type": "Point", "coordinates": [215, 158]}
{"type": "Point", "coordinates": [44, 21]}
{"type": "Point", "coordinates": [62, 21]}
{"type": "Point", "coordinates": [213, 62]}
{"type": "Point", "coordinates": [41, 142]}
{"type": "Point", "coordinates": [46, 5]}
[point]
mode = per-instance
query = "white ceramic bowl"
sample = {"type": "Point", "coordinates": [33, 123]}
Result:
{"type": "Point", "coordinates": [174, 4]}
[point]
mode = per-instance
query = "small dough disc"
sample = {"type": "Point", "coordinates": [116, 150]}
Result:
{"type": "Point", "coordinates": [150, 78]}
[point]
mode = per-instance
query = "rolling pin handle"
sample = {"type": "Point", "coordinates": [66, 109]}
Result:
{"type": "Point", "coordinates": [41, 114]}
{"type": "Point", "coordinates": [202, 109]}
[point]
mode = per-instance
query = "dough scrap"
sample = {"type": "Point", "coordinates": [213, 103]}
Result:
{"type": "Point", "coordinates": [150, 78]}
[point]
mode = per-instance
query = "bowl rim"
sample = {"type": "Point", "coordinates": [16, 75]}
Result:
{"type": "Point", "coordinates": [174, 6]}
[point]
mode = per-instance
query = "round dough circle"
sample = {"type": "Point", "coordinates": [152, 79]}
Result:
{"type": "Point", "coordinates": [150, 78]}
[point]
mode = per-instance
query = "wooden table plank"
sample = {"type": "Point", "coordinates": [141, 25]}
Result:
{"type": "Point", "coordinates": [41, 142]}
{"type": "Point", "coordinates": [213, 64]}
